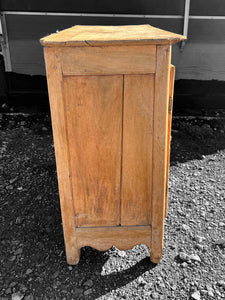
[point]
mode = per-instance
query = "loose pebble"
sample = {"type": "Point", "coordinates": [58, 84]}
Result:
{"type": "Point", "coordinates": [17, 296]}
{"type": "Point", "coordinates": [196, 295]}
{"type": "Point", "coordinates": [87, 292]}
{"type": "Point", "coordinates": [195, 257]}
{"type": "Point", "coordinates": [88, 283]}
{"type": "Point", "coordinates": [29, 271]}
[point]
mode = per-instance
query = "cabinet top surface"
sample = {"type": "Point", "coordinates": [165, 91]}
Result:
{"type": "Point", "coordinates": [110, 35]}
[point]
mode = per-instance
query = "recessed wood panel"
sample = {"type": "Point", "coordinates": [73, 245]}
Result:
{"type": "Point", "coordinates": [137, 149]}
{"type": "Point", "coordinates": [108, 60]}
{"type": "Point", "coordinates": [94, 120]}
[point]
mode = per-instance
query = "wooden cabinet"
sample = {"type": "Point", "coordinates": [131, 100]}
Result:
{"type": "Point", "coordinates": [110, 91]}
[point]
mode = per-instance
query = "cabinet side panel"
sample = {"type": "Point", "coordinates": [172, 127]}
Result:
{"type": "Point", "coordinates": [137, 149]}
{"type": "Point", "coordinates": [94, 116]}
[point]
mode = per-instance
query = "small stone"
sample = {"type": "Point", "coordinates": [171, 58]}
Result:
{"type": "Point", "coordinates": [141, 281]}
{"type": "Point", "coordinates": [12, 258]}
{"type": "Point", "coordinates": [18, 251]}
{"type": "Point", "coordinates": [70, 268]}
{"type": "Point", "coordinates": [204, 292]}
{"type": "Point", "coordinates": [200, 247]}
{"type": "Point", "coordinates": [184, 264]}
{"type": "Point", "coordinates": [220, 243]}
{"type": "Point", "coordinates": [121, 253]}
{"type": "Point", "coordinates": [19, 188]}
{"type": "Point", "coordinates": [205, 248]}
{"type": "Point", "coordinates": [17, 296]}
{"type": "Point", "coordinates": [183, 256]}
{"type": "Point", "coordinates": [29, 297]}
{"type": "Point", "coordinates": [203, 214]}
{"type": "Point", "coordinates": [9, 187]}
{"type": "Point", "coordinates": [87, 292]}
{"type": "Point", "coordinates": [44, 128]}
{"type": "Point", "coordinates": [218, 293]}
{"type": "Point", "coordinates": [210, 293]}
{"type": "Point", "coordinates": [210, 290]}
{"type": "Point", "coordinates": [161, 284]}
{"type": "Point", "coordinates": [8, 291]}
{"type": "Point", "coordinates": [18, 220]}
{"type": "Point", "coordinates": [196, 295]}
{"type": "Point", "coordinates": [29, 271]}
{"type": "Point", "coordinates": [55, 274]}
{"type": "Point", "coordinates": [186, 227]}
{"type": "Point", "coordinates": [23, 288]}
{"type": "Point", "coordinates": [12, 180]}
{"type": "Point", "coordinates": [56, 284]}
{"type": "Point", "coordinates": [88, 283]}
{"type": "Point", "coordinates": [199, 239]}
{"type": "Point", "coordinates": [195, 257]}
{"type": "Point", "coordinates": [12, 284]}
{"type": "Point", "coordinates": [221, 224]}
{"type": "Point", "coordinates": [78, 291]}
{"type": "Point", "coordinates": [155, 295]}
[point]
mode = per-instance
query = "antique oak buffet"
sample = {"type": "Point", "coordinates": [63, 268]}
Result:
{"type": "Point", "coordinates": [110, 91]}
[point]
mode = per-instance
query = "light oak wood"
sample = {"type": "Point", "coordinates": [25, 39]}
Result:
{"type": "Point", "coordinates": [108, 60]}
{"type": "Point", "coordinates": [87, 36]}
{"type": "Point", "coordinates": [103, 238]}
{"type": "Point", "coordinates": [170, 108]}
{"type": "Point", "coordinates": [59, 124]}
{"type": "Point", "coordinates": [137, 149]}
{"type": "Point", "coordinates": [94, 121]}
{"type": "Point", "coordinates": [159, 150]}
{"type": "Point", "coordinates": [111, 121]}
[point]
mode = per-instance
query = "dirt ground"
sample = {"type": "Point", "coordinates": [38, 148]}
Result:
{"type": "Point", "coordinates": [32, 257]}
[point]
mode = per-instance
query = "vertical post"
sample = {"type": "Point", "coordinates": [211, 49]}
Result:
{"type": "Point", "coordinates": [55, 89]}
{"type": "Point", "coordinates": [159, 172]}
{"type": "Point", "coordinates": [186, 22]}
{"type": "Point", "coordinates": [5, 44]}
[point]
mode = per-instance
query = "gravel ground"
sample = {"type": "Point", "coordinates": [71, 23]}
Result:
{"type": "Point", "coordinates": [32, 256]}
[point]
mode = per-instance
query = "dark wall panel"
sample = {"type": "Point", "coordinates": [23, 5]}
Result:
{"type": "Point", "coordinates": [207, 7]}
{"type": "Point", "coordinates": [203, 56]}
{"type": "Point", "coordinates": [24, 33]}
{"type": "Point", "coordinates": [165, 7]}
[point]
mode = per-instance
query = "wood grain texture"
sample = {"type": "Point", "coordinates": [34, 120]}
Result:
{"type": "Point", "coordinates": [170, 108]}
{"type": "Point", "coordinates": [137, 149]}
{"type": "Point", "coordinates": [108, 60]}
{"type": "Point", "coordinates": [94, 120]}
{"type": "Point", "coordinates": [160, 149]}
{"type": "Point", "coordinates": [55, 89]}
{"type": "Point", "coordinates": [103, 238]}
{"type": "Point", "coordinates": [87, 36]}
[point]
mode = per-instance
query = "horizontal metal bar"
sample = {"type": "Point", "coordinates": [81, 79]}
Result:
{"type": "Point", "coordinates": [26, 13]}
{"type": "Point", "coordinates": [207, 17]}
{"type": "Point", "coordinates": [35, 13]}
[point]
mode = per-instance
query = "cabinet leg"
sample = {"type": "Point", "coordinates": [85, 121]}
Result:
{"type": "Point", "coordinates": [155, 257]}
{"type": "Point", "coordinates": [156, 249]}
{"type": "Point", "coordinates": [72, 252]}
